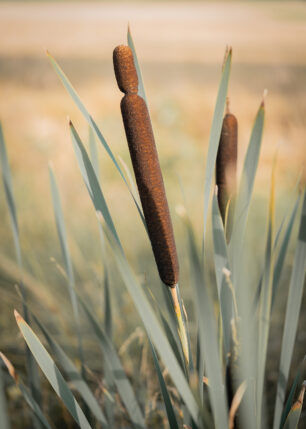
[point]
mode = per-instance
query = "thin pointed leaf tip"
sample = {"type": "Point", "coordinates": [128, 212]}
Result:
{"type": "Point", "coordinates": [146, 167]}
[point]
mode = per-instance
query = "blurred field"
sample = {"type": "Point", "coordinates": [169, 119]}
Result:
{"type": "Point", "coordinates": [181, 48]}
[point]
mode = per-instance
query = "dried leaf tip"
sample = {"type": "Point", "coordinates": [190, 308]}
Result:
{"type": "Point", "coordinates": [17, 316]}
{"type": "Point", "coordinates": [264, 96]}
{"type": "Point", "coordinates": [9, 367]}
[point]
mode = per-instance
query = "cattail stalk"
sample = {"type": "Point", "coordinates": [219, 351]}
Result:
{"type": "Point", "coordinates": [149, 178]}
{"type": "Point", "coordinates": [226, 166]}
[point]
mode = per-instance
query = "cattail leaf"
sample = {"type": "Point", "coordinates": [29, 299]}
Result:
{"type": "Point", "coordinates": [153, 327]}
{"type": "Point", "coordinates": [293, 417]}
{"type": "Point", "coordinates": [141, 90]}
{"type": "Point", "coordinates": [292, 313]}
{"type": "Point", "coordinates": [208, 336]}
{"type": "Point", "coordinates": [8, 188]}
{"type": "Point", "coordinates": [93, 150]}
{"type": "Point", "coordinates": [266, 298]}
{"type": "Point", "coordinates": [245, 191]}
{"type": "Point", "coordinates": [51, 372]}
{"type": "Point", "coordinates": [289, 403]}
{"type": "Point", "coordinates": [73, 374]}
{"type": "Point", "coordinates": [215, 132]}
{"type": "Point", "coordinates": [26, 395]}
{"type": "Point", "coordinates": [90, 179]}
{"type": "Point", "coordinates": [167, 401]}
{"type": "Point", "coordinates": [123, 385]}
{"type": "Point", "coordinates": [61, 230]}
{"type": "Point", "coordinates": [221, 263]}
{"type": "Point", "coordinates": [4, 420]}
{"type": "Point", "coordinates": [283, 249]}
{"type": "Point", "coordinates": [71, 91]}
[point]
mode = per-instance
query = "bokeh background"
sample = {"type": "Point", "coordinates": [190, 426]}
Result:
{"type": "Point", "coordinates": [180, 46]}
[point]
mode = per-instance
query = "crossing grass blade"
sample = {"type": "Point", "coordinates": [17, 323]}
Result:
{"type": "Point", "coordinates": [73, 375]}
{"type": "Point", "coordinates": [26, 395]}
{"type": "Point", "coordinates": [167, 401]}
{"type": "Point", "coordinates": [215, 132]}
{"type": "Point", "coordinates": [90, 179]}
{"type": "Point", "coordinates": [123, 385]}
{"type": "Point", "coordinates": [292, 313]}
{"type": "Point", "coordinates": [73, 94]}
{"type": "Point", "coordinates": [221, 262]}
{"type": "Point", "coordinates": [4, 420]}
{"type": "Point", "coordinates": [51, 372]}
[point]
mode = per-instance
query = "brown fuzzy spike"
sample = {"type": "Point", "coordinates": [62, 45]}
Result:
{"type": "Point", "coordinates": [227, 162]}
{"type": "Point", "coordinates": [150, 184]}
{"type": "Point", "coordinates": [125, 70]}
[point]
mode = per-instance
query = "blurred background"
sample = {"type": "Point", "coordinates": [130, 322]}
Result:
{"type": "Point", "coordinates": [180, 47]}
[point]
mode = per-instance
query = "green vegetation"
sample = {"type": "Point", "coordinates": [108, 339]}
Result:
{"type": "Point", "coordinates": [223, 382]}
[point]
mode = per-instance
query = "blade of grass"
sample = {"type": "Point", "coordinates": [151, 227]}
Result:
{"type": "Point", "coordinates": [283, 250]}
{"type": "Point", "coordinates": [167, 401]}
{"type": "Point", "coordinates": [90, 179]}
{"type": "Point", "coordinates": [62, 235]}
{"type": "Point", "coordinates": [51, 372]}
{"type": "Point", "coordinates": [141, 90]}
{"type": "Point", "coordinates": [244, 194]}
{"type": "Point", "coordinates": [93, 150]}
{"type": "Point", "coordinates": [26, 395]}
{"type": "Point", "coordinates": [289, 403]}
{"type": "Point", "coordinates": [215, 132]}
{"type": "Point", "coordinates": [208, 336]}
{"type": "Point", "coordinates": [293, 418]}
{"type": "Point", "coordinates": [283, 247]}
{"type": "Point", "coordinates": [266, 301]}
{"type": "Point", "coordinates": [292, 313]}
{"type": "Point", "coordinates": [123, 385]}
{"type": "Point", "coordinates": [4, 420]}
{"type": "Point", "coordinates": [73, 374]}
{"type": "Point", "coordinates": [221, 262]}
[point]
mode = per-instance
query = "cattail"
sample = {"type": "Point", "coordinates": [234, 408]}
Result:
{"type": "Point", "coordinates": [227, 163]}
{"type": "Point", "coordinates": [146, 167]}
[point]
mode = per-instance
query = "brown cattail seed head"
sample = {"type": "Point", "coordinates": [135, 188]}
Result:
{"type": "Point", "coordinates": [125, 70]}
{"type": "Point", "coordinates": [150, 184]}
{"type": "Point", "coordinates": [227, 162]}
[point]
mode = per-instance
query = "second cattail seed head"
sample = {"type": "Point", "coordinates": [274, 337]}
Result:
{"type": "Point", "coordinates": [226, 163]}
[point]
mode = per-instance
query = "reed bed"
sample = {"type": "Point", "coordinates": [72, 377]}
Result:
{"type": "Point", "coordinates": [215, 375]}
